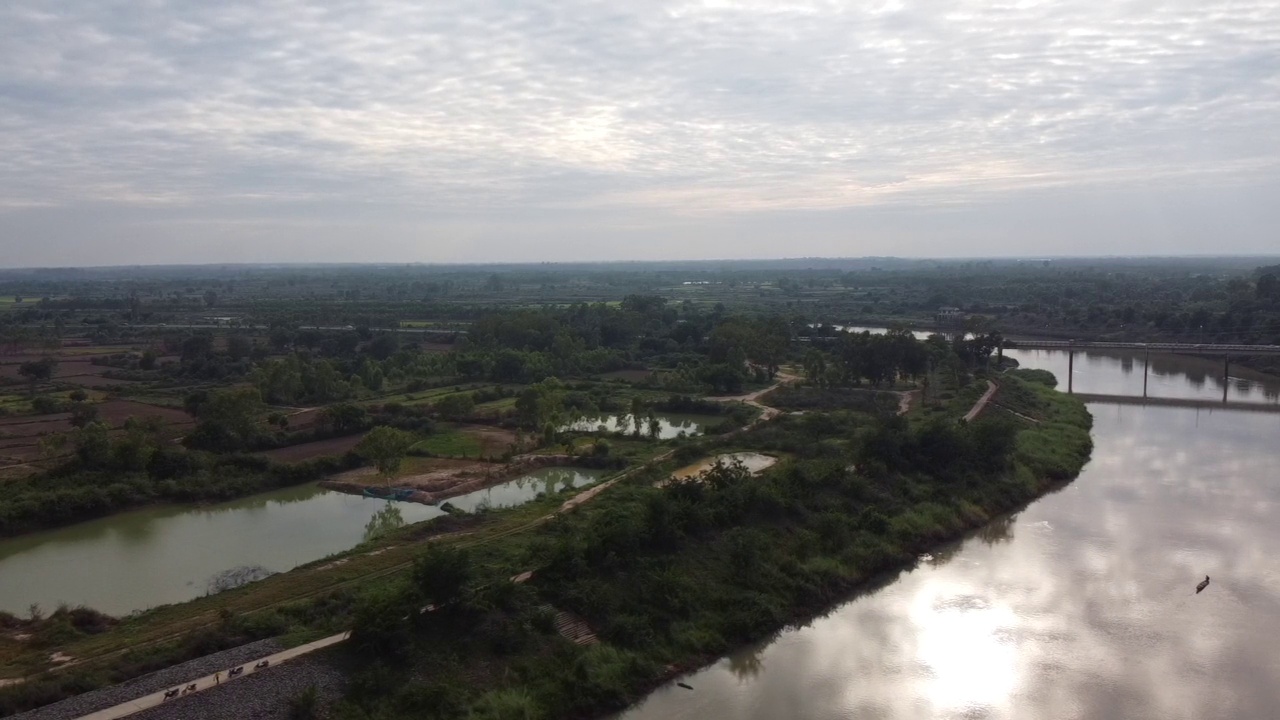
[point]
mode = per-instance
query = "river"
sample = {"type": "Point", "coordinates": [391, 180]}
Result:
{"type": "Point", "coordinates": [1083, 605]}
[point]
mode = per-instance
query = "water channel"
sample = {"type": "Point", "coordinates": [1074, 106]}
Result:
{"type": "Point", "coordinates": [1083, 605]}
{"type": "Point", "coordinates": [160, 555]}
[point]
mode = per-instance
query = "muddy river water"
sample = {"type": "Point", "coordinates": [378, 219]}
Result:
{"type": "Point", "coordinates": [1083, 605]}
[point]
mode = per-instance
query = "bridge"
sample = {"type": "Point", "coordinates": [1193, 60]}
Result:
{"type": "Point", "coordinates": [1199, 404]}
{"type": "Point", "coordinates": [1180, 348]}
{"type": "Point", "coordinates": [1224, 351]}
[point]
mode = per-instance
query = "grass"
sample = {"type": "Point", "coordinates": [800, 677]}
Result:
{"type": "Point", "coordinates": [670, 579]}
{"type": "Point", "coordinates": [726, 605]}
{"type": "Point", "coordinates": [450, 442]}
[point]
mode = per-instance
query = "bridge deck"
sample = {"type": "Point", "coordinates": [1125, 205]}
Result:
{"type": "Point", "coordinates": [1177, 402]}
{"type": "Point", "coordinates": [1188, 348]}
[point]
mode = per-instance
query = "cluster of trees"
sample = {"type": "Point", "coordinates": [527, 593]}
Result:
{"type": "Point", "coordinates": [689, 570]}
{"type": "Point", "coordinates": [857, 357]}
{"type": "Point", "coordinates": [110, 473]}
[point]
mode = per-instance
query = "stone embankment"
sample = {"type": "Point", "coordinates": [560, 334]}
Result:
{"type": "Point", "coordinates": [175, 676]}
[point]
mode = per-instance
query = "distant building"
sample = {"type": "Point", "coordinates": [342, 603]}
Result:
{"type": "Point", "coordinates": [949, 316]}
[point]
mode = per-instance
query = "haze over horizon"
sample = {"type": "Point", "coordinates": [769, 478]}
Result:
{"type": "Point", "coordinates": [183, 132]}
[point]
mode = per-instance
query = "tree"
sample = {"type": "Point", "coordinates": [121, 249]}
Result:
{"type": "Point", "coordinates": [210, 298]}
{"type": "Point", "coordinates": [637, 407]}
{"type": "Point", "coordinates": [344, 417]}
{"type": "Point", "coordinates": [538, 403]}
{"type": "Point", "coordinates": [815, 366]}
{"type": "Point", "coordinates": [384, 346]}
{"type": "Point", "coordinates": [229, 419]}
{"type": "Point", "coordinates": [385, 447]}
{"type": "Point", "coordinates": [83, 413]}
{"type": "Point", "coordinates": [239, 346]}
{"type": "Point", "coordinates": [655, 426]}
{"type": "Point", "coordinates": [441, 575]}
{"type": "Point", "coordinates": [1268, 287]}
{"type": "Point", "coordinates": [456, 406]}
{"type": "Point", "coordinates": [38, 371]}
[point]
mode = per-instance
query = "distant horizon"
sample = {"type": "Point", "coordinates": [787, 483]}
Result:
{"type": "Point", "coordinates": [1239, 257]}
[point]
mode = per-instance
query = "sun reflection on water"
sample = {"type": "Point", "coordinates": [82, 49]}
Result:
{"type": "Point", "coordinates": [967, 659]}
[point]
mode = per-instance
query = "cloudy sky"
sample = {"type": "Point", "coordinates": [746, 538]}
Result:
{"type": "Point", "coordinates": [155, 131]}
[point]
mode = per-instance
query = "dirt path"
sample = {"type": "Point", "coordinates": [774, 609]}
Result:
{"type": "Point", "coordinates": [150, 701]}
{"type": "Point", "coordinates": [753, 398]}
{"type": "Point", "coordinates": [981, 405]}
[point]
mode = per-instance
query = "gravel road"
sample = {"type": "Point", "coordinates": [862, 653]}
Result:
{"type": "Point", "coordinates": [263, 695]}
{"type": "Point", "coordinates": [147, 684]}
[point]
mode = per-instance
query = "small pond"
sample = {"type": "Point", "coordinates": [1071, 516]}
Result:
{"type": "Point", "coordinates": [671, 425]}
{"type": "Point", "coordinates": [754, 462]}
{"type": "Point", "coordinates": [526, 487]}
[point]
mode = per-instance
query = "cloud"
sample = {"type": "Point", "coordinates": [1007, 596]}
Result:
{"type": "Point", "coordinates": [695, 110]}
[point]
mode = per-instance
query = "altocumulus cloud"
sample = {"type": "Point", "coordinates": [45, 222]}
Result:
{"type": "Point", "coordinates": [166, 131]}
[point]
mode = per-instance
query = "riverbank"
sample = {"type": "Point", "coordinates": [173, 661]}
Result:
{"type": "Point", "coordinates": [670, 578]}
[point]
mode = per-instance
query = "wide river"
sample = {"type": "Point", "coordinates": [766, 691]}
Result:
{"type": "Point", "coordinates": [1083, 605]}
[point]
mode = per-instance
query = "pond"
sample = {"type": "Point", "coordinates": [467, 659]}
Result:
{"type": "Point", "coordinates": [526, 487]}
{"type": "Point", "coordinates": [754, 463]}
{"type": "Point", "coordinates": [671, 424]}
{"type": "Point", "coordinates": [140, 559]}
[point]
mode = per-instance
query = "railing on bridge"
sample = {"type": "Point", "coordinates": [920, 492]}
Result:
{"type": "Point", "coordinates": [1071, 346]}
{"type": "Point", "coordinates": [1189, 348]}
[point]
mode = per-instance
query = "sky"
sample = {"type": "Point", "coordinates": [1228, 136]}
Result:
{"type": "Point", "coordinates": [157, 131]}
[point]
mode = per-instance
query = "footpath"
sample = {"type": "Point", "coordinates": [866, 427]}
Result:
{"type": "Point", "coordinates": [981, 405]}
{"type": "Point", "coordinates": [209, 682]}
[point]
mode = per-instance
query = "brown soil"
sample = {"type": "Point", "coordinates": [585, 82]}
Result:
{"type": "Point", "coordinates": [333, 447]}
{"type": "Point", "coordinates": [115, 412]}
{"type": "Point", "coordinates": [95, 381]}
{"type": "Point", "coordinates": [494, 441]}
{"type": "Point", "coordinates": [304, 419]}
{"type": "Point", "coordinates": [438, 479]}
{"type": "Point", "coordinates": [70, 368]}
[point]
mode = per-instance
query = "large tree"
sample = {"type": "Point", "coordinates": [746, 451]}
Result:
{"type": "Point", "coordinates": [38, 371]}
{"type": "Point", "coordinates": [385, 447]}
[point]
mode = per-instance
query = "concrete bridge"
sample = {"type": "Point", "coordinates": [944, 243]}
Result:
{"type": "Point", "coordinates": [1216, 349]}
{"type": "Point", "coordinates": [1199, 404]}
{"type": "Point", "coordinates": [1224, 351]}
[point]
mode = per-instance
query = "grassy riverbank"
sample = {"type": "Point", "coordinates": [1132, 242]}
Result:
{"type": "Point", "coordinates": [668, 578]}
{"type": "Point", "coordinates": [671, 578]}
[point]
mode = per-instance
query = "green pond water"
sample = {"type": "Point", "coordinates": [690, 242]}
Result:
{"type": "Point", "coordinates": [141, 559]}
{"type": "Point", "coordinates": [672, 424]}
{"type": "Point", "coordinates": [525, 488]}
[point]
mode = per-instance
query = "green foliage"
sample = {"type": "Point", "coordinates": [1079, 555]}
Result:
{"type": "Point", "coordinates": [230, 419]}
{"type": "Point", "coordinates": [386, 448]}
{"type": "Point", "coordinates": [668, 574]}
{"type": "Point", "coordinates": [450, 443]}
{"type": "Point", "coordinates": [305, 705]}
{"type": "Point", "coordinates": [455, 406]}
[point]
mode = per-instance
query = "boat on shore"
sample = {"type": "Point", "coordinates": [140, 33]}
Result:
{"type": "Point", "coordinates": [388, 493]}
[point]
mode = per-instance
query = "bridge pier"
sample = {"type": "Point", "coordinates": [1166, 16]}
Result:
{"type": "Point", "coordinates": [1071, 370]}
{"type": "Point", "coordinates": [1146, 363]}
{"type": "Point", "coordinates": [1226, 376]}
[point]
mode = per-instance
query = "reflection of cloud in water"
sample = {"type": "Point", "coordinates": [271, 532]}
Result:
{"type": "Point", "coordinates": [1085, 610]}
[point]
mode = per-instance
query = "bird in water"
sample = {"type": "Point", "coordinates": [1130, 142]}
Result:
{"type": "Point", "coordinates": [1203, 584]}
